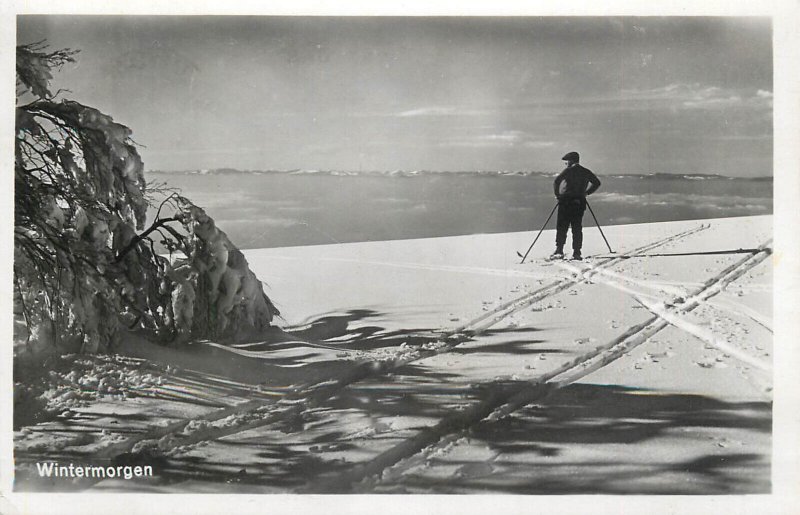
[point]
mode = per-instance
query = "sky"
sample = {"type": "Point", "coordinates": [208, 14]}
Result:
{"type": "Point", "coordinates": [631, 94]}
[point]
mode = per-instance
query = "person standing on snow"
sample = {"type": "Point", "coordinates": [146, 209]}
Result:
{"type": "Point", "coordinates": [571, 188]}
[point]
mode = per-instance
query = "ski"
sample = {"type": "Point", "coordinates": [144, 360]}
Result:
{"type": "Point", "coordinates": [566, 258]}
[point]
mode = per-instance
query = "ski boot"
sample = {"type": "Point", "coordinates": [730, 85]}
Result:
{"type": "Point", "coordinates": [576, 256]}
{"type": "Point", "coordinates": [558, 254]}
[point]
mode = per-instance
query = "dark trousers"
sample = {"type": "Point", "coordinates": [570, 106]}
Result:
{"type": "Point", "coordinates": [570, 214]}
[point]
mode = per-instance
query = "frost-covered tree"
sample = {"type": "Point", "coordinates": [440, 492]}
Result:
{"type": "Point", "coordinates": [87, 265]}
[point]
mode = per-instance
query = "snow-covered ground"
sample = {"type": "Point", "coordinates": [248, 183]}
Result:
{"type": "Point", "coordinates": [445, 366]}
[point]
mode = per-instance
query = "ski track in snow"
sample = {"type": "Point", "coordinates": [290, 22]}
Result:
{"type": "Point", "coordinates": [665, 288]}
{"type": "Point", "coordinates": [502, 311]}
{"type": "Point", "coordinates": [437, 440]}
{"type": "Point", "coordinates": [723, 305]}
{"type": "Point", "coordinates": [669, 315]}
{"type": "Point", "coordinates": [730, 306]}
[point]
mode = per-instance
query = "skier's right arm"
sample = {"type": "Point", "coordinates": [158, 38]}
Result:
{"type": "Point", "coordinates": [594, 184]}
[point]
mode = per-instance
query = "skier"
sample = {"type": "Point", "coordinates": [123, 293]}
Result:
{"type": "Point", "coordinates": [571, 188]}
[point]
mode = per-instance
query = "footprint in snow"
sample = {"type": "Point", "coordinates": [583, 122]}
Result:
{"type": "Point", "coordinates": [710, 363]}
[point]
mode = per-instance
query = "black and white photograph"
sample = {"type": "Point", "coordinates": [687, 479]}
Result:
{"type": "Point", "coordinates": [447, 254]}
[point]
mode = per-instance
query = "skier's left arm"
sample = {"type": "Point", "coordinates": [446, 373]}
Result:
{"type": "Point", "coordinates": [594, 184]}
{"type": "Point", "coordinates": [557, 184]}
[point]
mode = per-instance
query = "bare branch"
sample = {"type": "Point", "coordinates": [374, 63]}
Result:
{"type": "Point", "coordinates": [161, 222]}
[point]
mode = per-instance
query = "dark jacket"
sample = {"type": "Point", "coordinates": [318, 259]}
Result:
{"type": "Point", "coordinates": [575, 182]}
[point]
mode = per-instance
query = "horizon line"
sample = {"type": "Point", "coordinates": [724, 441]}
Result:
{"type": "Point", "coordinates": [416, 172]}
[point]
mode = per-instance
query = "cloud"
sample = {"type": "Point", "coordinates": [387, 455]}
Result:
{"type": "Point", "coordinates": [246, 223]}
{"type": "Point", "coordinates": [507, 138]}
{"type": "Point", "coordinates": [428, 111]}
{"type": "Point", "coordinates": [700, 96]}
{"type": "Point", "coordinates": [510, 136]}
{"type": "Point", "coordinates": [302, 208]}
{"type": "Point", "coordinates": [539, 144]}
{"type": "Point", "coordinates": [424, 111]}
{"type": "Point", "coordinates": [675, 96]}
{"type": "Point", "coordinates": [391, 200]}
{"type": "Point", "coordinates": [442, 111]}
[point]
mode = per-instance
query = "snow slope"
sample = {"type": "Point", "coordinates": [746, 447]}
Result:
{"type": "Point", "coordinates": [445, 366]}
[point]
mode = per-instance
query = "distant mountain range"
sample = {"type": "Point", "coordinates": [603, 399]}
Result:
{"type": "Point", "coordinates": [414, 173]}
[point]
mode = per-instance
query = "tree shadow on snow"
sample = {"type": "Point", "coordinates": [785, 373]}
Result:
{"type": "Point", "coordinates": [335, 325]}
{"type": "Point", "coordinates": [599, 439]}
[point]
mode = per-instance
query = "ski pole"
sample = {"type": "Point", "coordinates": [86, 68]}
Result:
{"type": "Point", "coordinates": [537, 236]}
{"type": "Point", "coordinates": [598, 226]}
